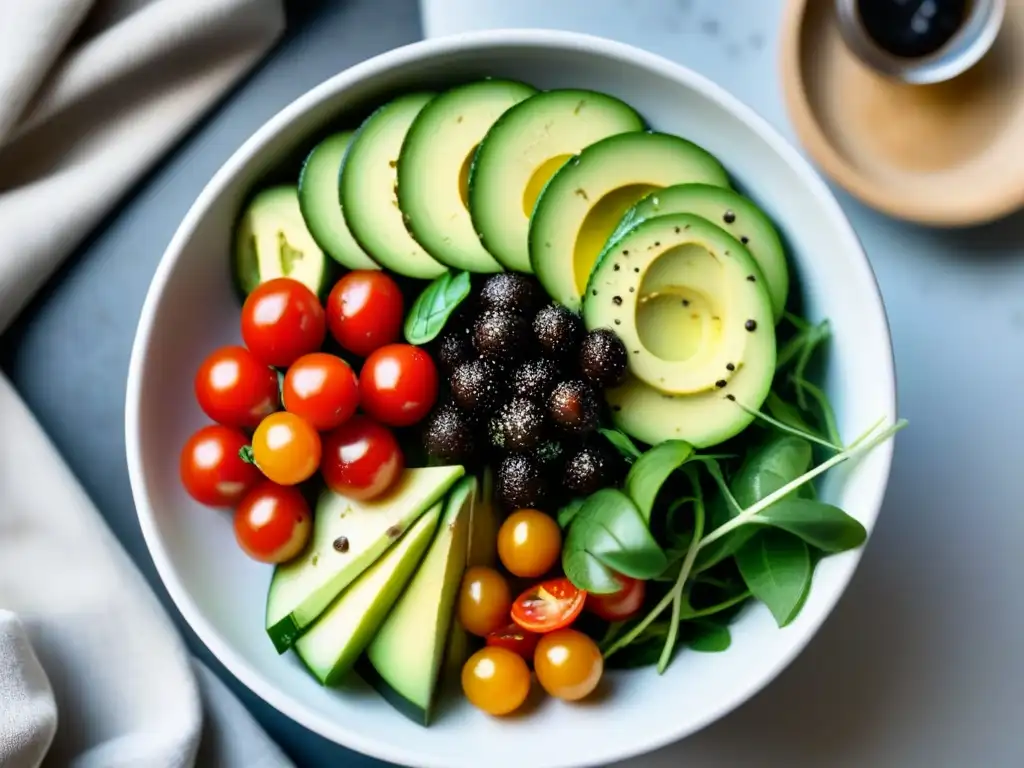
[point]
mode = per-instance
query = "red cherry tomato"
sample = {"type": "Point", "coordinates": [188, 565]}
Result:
{"type": "Point", "coordinates": [398, 384]}
{"type": "Point", "coordinates": [282, 320]}
{"type": "Point", "coordinates": [234, 388]}
{"type": "Point", "coordinates": [548, 606]}
{"type": "Point", "coordinates": [621, 605]}
{"type": "Point", "coordinates": [211, 469]}
{"type": "Point", "coordinates": [273, 523]}
{"type": "Point", "coordinates": [365, 311]}
{"type": "Point", "coordinates": [361, 459]}
{"type": "Point", "coordinates": [516, 639]}
{"type": "Point", "coordinates": [322, 389]}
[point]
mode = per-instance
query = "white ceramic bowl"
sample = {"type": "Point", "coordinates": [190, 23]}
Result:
{"type": "Point", "coordinates": [191, 309]}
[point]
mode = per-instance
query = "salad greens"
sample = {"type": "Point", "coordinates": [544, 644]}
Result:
{"type": "Point", "coordinates": [435, 305]}
{"type": "Point", "coordinates": [713, 532]}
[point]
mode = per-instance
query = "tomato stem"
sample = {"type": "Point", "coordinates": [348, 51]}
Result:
{"type": "Point", "coordinates": [245, 454]}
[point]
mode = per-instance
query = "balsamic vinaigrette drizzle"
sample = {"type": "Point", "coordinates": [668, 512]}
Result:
{"type": "Point", "coordinates": [912, 28]}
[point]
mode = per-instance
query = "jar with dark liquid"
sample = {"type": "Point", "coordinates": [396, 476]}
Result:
{"type": "Point", "coordinates": [912, 28]}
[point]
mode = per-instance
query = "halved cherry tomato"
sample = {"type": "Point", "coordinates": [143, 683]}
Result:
{"type": "Point", "coordinates": [361, 459]}
{"type": "Point", "coordinates": [398, 384]}
{"type": "Point", "coordinates": [282, 320]}
{"type": "Point", "coordinates": [286, 448]}
{"type": "Point", "coordinates": [516, 639]}
{"type": "Point", "coordinates": [548, 606]}
{"type": "Point", "coordinates": [364, 311]}
{"type": "Point", "coordinates": [234, 388]}
{"type": "Point", "coordinates": [211, 470]}
{"type": "Point", "coordinates": [273, 523]}
{"type": "Point", "coordinates": [621, 605]}
{"type": "Point", "coordinates": [322, 389]}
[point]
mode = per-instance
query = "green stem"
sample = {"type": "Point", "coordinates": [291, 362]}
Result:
{"type": "Point", "coordinates": [787, 428]}
{"type": "Point", "coordinates": [636, 631]}
{"type": "Point", "coordinates": [717, 607]}
{"type": "Point", "coordinates": [859, 446]}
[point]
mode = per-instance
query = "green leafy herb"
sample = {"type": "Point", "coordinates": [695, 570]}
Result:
{"type": "Point", "coordinates": [622, 442]}
{"type": "Point", "coordinates": [434, 306]}
{"type": "Point", "coordinates": [568, 512]}
{"type": "Point", "coordinates": [650, 472]}
{"type": "Point", "coordinates": [608, 535]}
{"type": "Point", "coordinates": [776, 565]}
{"type": "Point", "coordinates": [821, 525]}
{"type": "Point", "coordinates": [706, 636]}
{"type": "Point", "coordinates": [789, 415]}
{"type": "Point", "coordinates": [828, 416]}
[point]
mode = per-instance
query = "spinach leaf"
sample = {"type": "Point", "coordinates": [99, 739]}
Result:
{"type": "Point", "coordinates": [622, 443]}
{"type": "Point", "coordinates": [821, 525]}
{"type": "Point", "coordinates": [776, 566]}
{"type": "Point", "coordinates": [608, 534]}
{"type": "Point", "coordinates": [434, 306]}
{"type": "Point", "coordinates": [706, 636]}
{"type": "Point", "coordinates": [787, 414]}
{"type": "Point", "coordinates": [650, 472]}
{"type": "Point", "coordinates": [568, 512]}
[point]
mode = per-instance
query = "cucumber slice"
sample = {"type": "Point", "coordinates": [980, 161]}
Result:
{"type": "Point", "coordinates": [271, 240]}
{"type": "Point", "coordinates": [320, 203]}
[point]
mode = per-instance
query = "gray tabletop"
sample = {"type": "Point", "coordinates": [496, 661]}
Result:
{"type": "Point", "coordinates": [921, 664]}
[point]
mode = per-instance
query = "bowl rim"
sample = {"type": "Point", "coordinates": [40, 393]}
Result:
{"type": "Point", "coordinates": [250, 675]}
{"type": "Point", "coordinates": [999, 201]}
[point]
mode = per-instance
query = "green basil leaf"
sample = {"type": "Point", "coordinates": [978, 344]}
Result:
{"type": "Point", "coordinates": [434, 306]}
{"type": "Point", "coordinates": [788, 414]}
{"type": "Point", "coordinates": [622, 443]}
{"type": "Point", "coordinates": [651, 470]}
{"type": "Point", "coordinates": [587, 572]}
{"type": "Point", "coordinates": [568, 512]}
{"type": "Point", "coordinates": [821, 525]}
{"type": "Point", "coordinates": [777, 462]}
{"type": "Point", "coordinates": [776, 566]}
{"type": "Point", "coordinates": [618, 536]}
{"type": "Point", "coordinates": [706, 636]}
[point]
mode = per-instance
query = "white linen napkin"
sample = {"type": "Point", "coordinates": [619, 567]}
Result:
{"type": "Point", "coordinates": [92, 673]}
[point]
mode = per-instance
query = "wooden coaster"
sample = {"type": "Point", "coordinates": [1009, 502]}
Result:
{"type": "Point", "coordinates": [949, 154]}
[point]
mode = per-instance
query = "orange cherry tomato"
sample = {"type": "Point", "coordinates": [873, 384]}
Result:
{"type": "Point", "coordinates": [496, 681]}
{"type": "Point", "coordinates": [548, 606]}
{"type": "Point", "coordinates": [273, 523]}
{"type": "Point", "coordinates": [568, 664]}
{"type": "Point", "coordinates": [529, 543]}
{"type": "Point", "coordinates": [286, 448]}
{"type": "Point", "coordinates": [484, 600]}
{"type": "Point", "coordinates": [514, 638]}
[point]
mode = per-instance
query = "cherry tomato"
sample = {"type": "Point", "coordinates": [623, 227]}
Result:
{"type": "Point", "coordinates": [286, 448]}
{"type": "Point", "coordinates": [398, 384]}
{"type": "Point", "coordinates": [282, 320]}
{"type": "Point", "coordinates": [568, 664]}
{"type": "Point", "coordinates": [548, 606]}
{"type": "Point", "coordinates": [273, 523]}
{"type": "Point", "coordinates": [621, 605]}
{"type": "Point", "coordinates": [365, 311]}
{"type": "Point", "coordinates": [361, 459]}
{"type": "Point", "coordinates": [234, 388]}
{"type": "Point", "coordinates": [322, 389]}
{"type": "Point", "coordinates": [529, 543]}
{"type": "Point", "coordinates": [211, 470]}
{"type": "Point", "coordinates": [514, 638]}
{"type": "Point", "coordinates": [484, 600]}
{"type": "Point", "coordinates": [496, 681]}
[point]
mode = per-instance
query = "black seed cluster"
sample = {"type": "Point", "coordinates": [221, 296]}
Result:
{"type": "Point", "coordinates": [453, 349]}
{"type": "Point", "coordinates": [449, 434]}
{"type": "Point", "coordinates": [573, 406]}
{"type": "Point", "coordinates": [603, 358]}
{"type": "Point", "coordinates": [536, 378]}
{"type": "Point", "coordinates": [478, 386]}
{"type": "Point", "coordinates": [558, 331]}
{"type": "Point", "coordinates": [501, 335]}
{"type": "Point", "coordinates": [590, 468]}
{"type": "Point", "coordinates": [519, 425]}
{"type": "Point", "coordinates": [520, 482]}
{"type": "Point", "coordinates": [511, 292]}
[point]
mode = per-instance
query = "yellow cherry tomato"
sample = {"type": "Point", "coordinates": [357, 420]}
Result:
{"type": "Point", "coordinates": [286, 448]}
{"type": "Point", "coordinates": [484, 601]}
{"type": "Point", "coordinates": [568, 664]}
{"type": "Point", "coordinates": [529, 543]}
{"type": "Point", "coordinates": [496, 680]}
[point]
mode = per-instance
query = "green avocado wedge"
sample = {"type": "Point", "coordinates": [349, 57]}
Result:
{"type": "Point", "coordinates": [404, 660]}
{"type": "Point", "coordinates": [302, 589]}
{"type": "Point", "coordinates": [336, 640]}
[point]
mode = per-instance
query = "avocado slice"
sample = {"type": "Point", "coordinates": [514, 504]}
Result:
{"type": "Point", "coordinates": [731, 211]}
{"type": "Point", "coordinates": [369, 195]}
{"type": "Point", "coordinates": [403, 662]}
{"type": "Point", "coordinates": [692, 308]}
{"type": "Point", "coordinates": [585, 200]}
{"type": "Point", "coordinates": [433, 169]}
{"type": "Point", "coordinates": [320, 203]}
{"type": "Point", "coordinates": [300, 590]}
{"type": "Point", "coordinates": [271, 240]}
{"type": "Point", "coordinates": [523, 150]}
{"type": "Point", "coordinates": [339, 636]}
